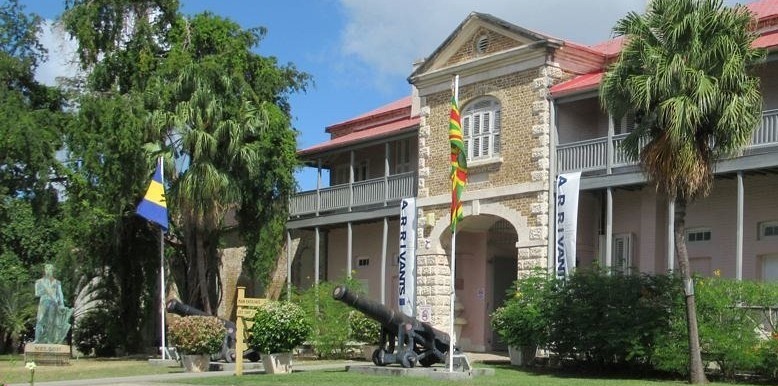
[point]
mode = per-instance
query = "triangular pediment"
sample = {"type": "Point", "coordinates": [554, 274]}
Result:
{"type": "Point", "coordinates": [479, 35]}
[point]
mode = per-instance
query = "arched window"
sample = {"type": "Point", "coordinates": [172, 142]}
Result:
{"type": "Point", "coordinates": [481, 128]}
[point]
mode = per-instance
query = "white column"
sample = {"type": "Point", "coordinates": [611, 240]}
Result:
{"type": "Point", "coordinates": [670, 235]}
{"type": "Point", "coordinates": [609, 147]}
{"type": "Point", "coordinates": [351, 180]}
{"type": "Point", "coordinates": [349, 249]}
{"type": "Point", "coordinates": [316, 257]}
{"type": "Point", "coordinates": [386, 173]}
{"type": "Point", "coordinates": [383, 260]}
{"type": "Point", "coordinates": [288, 266]}
{"type": "Point", "coordinates": [318, 185]}
{"type": "Point", "coordinates": [609, 229]}
{"type": "Point", "coordinates": [739, 236]}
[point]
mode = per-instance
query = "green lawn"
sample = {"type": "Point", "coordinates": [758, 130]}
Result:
{"type": "Point", "coordinates": [504, 375]}
{"type": "Point", "coordinates": [12, 371]}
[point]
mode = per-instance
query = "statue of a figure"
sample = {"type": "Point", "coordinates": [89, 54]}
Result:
{"type": "Point", "coordinates": [53, 321]}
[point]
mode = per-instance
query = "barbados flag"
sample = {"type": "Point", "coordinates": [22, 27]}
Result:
{"type": "Point", "coordinates": [153, 207]}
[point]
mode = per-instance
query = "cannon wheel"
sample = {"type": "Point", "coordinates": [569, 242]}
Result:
{"type": "Point", "coordinates": [378, 357]}
{"type": "Point", "coordinates": [408, 359]}
{"type": "Point", "coordinates": [428, 360]}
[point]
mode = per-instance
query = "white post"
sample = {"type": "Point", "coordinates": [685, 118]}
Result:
{"type": "Point", "coordinates": [451, 335]}
{"type": "Point", "coordinates": [739, 233]}
{"type": "Point", "coordinates": [670, 235]}
{"type": "Point", "coordinates": [289, 266]}
{"type": "Point", "coordinates": [349, 250]}
{"type": "Point", "coordinates": [162, 271]}
{"type": "Point", "coordinates": [383, 260]}
{"type": "Point", "coordinates": [609, 229]}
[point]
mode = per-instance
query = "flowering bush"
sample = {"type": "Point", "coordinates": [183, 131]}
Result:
{"type": "Point", "coordinates": [363, 329]}
{"type": "Point", "coordinates": [278, 327]}
{"type": "Point", "coordinates": [522, 320]}
{"type": "Point", "coordinates": [197, 334]}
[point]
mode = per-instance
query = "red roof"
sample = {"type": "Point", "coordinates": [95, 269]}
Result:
{"type": "Point", "coordinates": [387, 108]}
{"type": "Point", "coordinates": [579, 83]}
{"type": "Point", "coordinates": [381, 131]}
{"type": "Point", "coordinates": [391, 119]}
{"type": "Point", "coordinates": [763, 10]}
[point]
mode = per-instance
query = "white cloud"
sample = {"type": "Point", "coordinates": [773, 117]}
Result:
{"type": "Point", "coordinates": [62, 57]}
{"type": "Point", "coordinates": [388, 36]}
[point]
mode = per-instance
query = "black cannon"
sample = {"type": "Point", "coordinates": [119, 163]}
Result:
{"type": "Point", "coordinates": [404, 340]}
{"type": "Point", "coordinates": [227, 352]}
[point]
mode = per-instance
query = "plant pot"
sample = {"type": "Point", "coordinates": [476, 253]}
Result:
{"type": "Point", "coordinates": [196, 363]}
{"type": "Point", "coordinates": [522, 356]}
{"type": "Point", "coordinates": [367, 351]}
{"type": "Point", "coordinates": [280, 363]}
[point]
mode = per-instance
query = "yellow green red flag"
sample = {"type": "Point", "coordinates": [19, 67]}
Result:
{"type": "Point", "coordinates": [458, 164]}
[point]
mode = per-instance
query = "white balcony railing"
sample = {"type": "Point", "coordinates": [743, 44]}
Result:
{"type": "Point", "coordinates": [376, 191]}
{"type": "Point", "coordinates": [593, 154]}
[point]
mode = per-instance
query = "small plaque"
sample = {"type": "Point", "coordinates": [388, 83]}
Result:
{"type": "Point", "coordinates": [251, 302]}
{"type": "Point", "coordinates": [425, 313]}
{"type": "Point", "coordinates": [47, 354]}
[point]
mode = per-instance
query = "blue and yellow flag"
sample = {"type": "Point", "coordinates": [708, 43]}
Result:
{"type": "Point", "coordinates": [153, 207]}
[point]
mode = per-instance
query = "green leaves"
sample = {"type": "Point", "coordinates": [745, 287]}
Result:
{"type": "Point", "coordinates": [197, 334]}
{"type": "Point", "coordinates": [684, 69]}
{"type": "Point", "coordinates": [278, 327]}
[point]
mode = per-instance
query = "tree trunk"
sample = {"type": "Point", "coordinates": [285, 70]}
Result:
{"type": "Point", "coordinates": [202, 281]}
{"type": "Point", "coordinates": [696, 369]}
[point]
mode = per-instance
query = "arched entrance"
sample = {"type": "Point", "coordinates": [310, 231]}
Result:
{"type": "Point", "coordinates": [486, 267]}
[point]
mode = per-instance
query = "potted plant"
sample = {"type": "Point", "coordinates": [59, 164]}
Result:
{"type": "Point", "coordinates": [521, 321]}
{"type": "Point", "coordinates": [366, 331]}
{"type": "Point", "coordinates": [278, 327]}
{"type": "Point", "coordinates": [196, 337]}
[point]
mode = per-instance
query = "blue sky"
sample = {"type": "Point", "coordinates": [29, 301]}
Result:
{"type": "Point", "coordinates": [360, 52]}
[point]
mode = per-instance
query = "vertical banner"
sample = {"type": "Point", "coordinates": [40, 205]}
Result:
{"type": "Point", "coordinates": [406, 296]}
{"type": "Point", "coordinates": [566, 222]}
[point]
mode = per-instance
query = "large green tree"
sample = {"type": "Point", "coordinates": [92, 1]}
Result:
{"type": "Point", "coordinates": [225, 110]}
{"type": "Point", "coordinates": [31, 122]}
{"type": "Point", "coordinates": [193, 90]}
{"type": "Point", "coordinates": [684, 72]}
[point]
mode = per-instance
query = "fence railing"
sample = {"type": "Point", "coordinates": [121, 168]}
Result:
{"type": "Point", "coordinates": [593, 154]}
{"type": "Point", "coordinates": [370, 192]}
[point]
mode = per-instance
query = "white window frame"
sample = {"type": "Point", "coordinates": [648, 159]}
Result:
{"type": "Point", "coordinates": [621, 252]}
{"type": "Point", "coordinates": [481, 121]}
{"type": "Point", "coordinates": [698, 231]}
{"type": "Point", "coordinates": [763, 228]}
{"type": "Point", "coordinates": [361, 171]}
{"type": "Point", "coordinates": [402, 156]}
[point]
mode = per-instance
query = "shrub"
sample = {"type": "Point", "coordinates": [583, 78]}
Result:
{"type": "Point", "coordinates": [330, 334]}
{"type": "Point", "coordinates": [197, 334]}
{"type": "Point", "coordinates": [523, 318]}
{"type": "Point", "coordinates": [608, 319]}
{"type": "Point", "coordinates": [363, 329]}
{"type": "Point", "coordinates": [96, 330]}
{"type": "Point", "coordinates": [278, 327]}
{"type": "Point", "coordinates": [728, 318]}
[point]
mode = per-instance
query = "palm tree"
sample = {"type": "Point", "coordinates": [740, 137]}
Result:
{"type": "Point", "coordinates": [683, 73]}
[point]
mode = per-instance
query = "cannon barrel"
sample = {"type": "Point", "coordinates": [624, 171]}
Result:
{"type": "Point", "coordinates": [387, 317]}
{"type": "Point", "coordinates": [417, 340]}
{"type": "Point", "coordinates": [178, 308]}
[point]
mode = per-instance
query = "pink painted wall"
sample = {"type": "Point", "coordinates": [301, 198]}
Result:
{"type": "Point", "coordinates": [367, 243]}
{"type": "Point", "coordinates": [643, 214]}
{"type": "Point", "coordinates": [473, 293]}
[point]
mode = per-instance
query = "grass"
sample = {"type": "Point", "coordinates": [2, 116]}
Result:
{"type": "Point", "coordinates": [504, 375]}
{"type": "Point", "coordinates": [12, 370]}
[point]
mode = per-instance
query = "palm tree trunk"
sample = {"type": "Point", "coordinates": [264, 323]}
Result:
{"type": "Point", "coordinates": [696, 370]}
{"type": "Point", "coordinates": [202, 281]}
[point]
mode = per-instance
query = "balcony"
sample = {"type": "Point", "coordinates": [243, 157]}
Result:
{"type": "Point", "coordinates": [594, 155]}
{"type": "Point", "coordinates": [358, 195]}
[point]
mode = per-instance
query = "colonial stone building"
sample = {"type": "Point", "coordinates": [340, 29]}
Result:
{"type": "Point", "coordinates": [530, 111]}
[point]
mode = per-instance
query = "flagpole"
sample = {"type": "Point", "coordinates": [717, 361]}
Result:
{"type": "Point", "coordinates": [452, 337]}
{"type": "Point", "coordinates": [162, 272]}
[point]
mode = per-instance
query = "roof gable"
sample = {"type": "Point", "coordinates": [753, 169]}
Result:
{"type": "Point", "coordinates": [462, 44]}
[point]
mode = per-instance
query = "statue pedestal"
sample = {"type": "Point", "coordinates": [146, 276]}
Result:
{"type": "Point", "coordinates": [47, 354]}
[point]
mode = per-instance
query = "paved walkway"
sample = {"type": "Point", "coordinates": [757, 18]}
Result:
{"type": "Point", "coordinates": [163, 379]}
